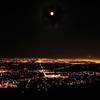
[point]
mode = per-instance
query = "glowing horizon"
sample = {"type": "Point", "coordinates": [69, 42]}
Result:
{"type": "Point", "coordinates": [52, 60]}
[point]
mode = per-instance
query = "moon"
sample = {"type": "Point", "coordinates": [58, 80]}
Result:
{"type": "Point", "coordinates": [52, 13]}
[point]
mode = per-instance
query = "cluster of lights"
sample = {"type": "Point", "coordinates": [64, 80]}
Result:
{"type": "Point", "coordinates": [50, 60]}
{"type": "Point", "coordinates": [57, 77]}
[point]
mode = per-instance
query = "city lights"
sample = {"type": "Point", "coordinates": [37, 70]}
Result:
{"type": "Point", "coordinates": [44, 73]}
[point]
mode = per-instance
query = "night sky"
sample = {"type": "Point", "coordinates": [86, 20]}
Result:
{"type": "Point", "coordinates": [27, 29]}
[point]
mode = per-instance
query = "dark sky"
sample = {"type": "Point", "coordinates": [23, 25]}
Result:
{"type": "Point", "coordinates": [26, 29]}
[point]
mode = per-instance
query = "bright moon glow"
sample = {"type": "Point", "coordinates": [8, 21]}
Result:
{"type": "Point", "coordinates": [52, 13]}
